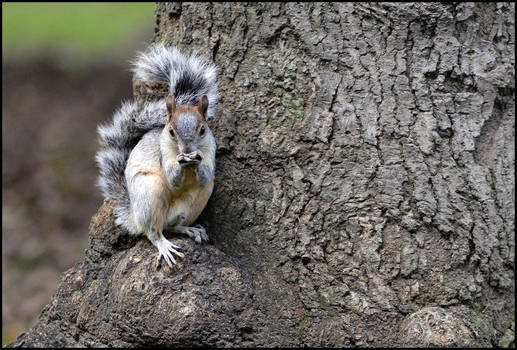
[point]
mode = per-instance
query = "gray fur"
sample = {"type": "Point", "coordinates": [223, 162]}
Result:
{"type": "Point", "coordinates": [130, 122]}
{"type": "Point", "coordinates": [173, 173]}
{"type": "Point", "coordinates": [186, 126]}
{"type": "Point", "coordinates": [189, 78]}
{"type": "Point", "coordinates": [171, 169]}
{"type": "Point", "coordinates": [205, 174]}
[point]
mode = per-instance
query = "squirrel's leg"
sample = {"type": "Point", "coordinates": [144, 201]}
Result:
{"type": "Point", "coordinates": [149, 210]}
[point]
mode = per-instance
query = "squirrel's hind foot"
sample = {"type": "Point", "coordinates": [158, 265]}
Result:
{"type": "Point", "coordinates": [197, 233]}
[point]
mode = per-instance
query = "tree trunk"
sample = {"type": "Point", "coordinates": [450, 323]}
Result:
{"type": "Point", "coordinates": [364, 194]}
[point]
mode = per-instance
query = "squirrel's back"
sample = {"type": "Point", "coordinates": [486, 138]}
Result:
{"type": "Point", "coordinates": [187, 78]}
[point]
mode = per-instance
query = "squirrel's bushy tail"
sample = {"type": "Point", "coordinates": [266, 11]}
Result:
{"type": "Point", "coordinates": [117, 139]}
{"type": "Point", "coordinates": [187, 78]}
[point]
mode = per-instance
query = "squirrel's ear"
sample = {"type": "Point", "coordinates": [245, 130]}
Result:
{"type": "Point", "coordinates": [202, 106]}
{"type": "Point", "coordinates": [171, 106]}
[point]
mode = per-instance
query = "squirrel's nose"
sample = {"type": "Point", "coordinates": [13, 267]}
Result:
{"type": "Point", "coordinates": [188, 150]}
{"type": "Point", "coordinates": [185, 147]}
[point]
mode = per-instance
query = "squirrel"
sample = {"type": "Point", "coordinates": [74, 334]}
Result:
{"type": "Point", "coordinates": [157, 158]}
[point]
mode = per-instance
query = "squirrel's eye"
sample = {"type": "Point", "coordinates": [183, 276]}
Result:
{"type": "Point", "coordinates": [202, 131]}
{"type": "Point", "coordinates": [172, 132]}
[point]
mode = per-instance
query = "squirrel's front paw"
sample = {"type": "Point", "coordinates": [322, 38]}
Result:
{"type": "Point", "coordinates": [191, 158]}
{"type": "Point", "coordinates": [166, 249]}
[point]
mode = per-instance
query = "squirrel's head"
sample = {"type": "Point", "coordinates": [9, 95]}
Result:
{"type": "Point", "coordinates": [187, 124]}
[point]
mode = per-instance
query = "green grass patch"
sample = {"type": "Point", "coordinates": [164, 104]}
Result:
{"type": "Point", "coordinates": [90, 28]}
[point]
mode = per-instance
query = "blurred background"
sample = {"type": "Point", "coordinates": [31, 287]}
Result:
{"type": "Point", "coordinates": [65, 69]}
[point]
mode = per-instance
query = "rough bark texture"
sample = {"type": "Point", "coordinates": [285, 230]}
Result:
{"type": "Point", "coordinates": [364, 194]}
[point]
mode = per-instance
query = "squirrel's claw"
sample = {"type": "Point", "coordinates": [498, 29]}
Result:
{"type": "Point", "coordinates": [166, 249]}
{"type": "Point", "coordinates": [197, 233]}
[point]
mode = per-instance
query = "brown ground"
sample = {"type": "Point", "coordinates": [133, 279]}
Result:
{"type": "Point", "coordinates": [48, 174]}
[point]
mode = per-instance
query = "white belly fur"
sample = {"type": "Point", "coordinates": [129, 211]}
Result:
{"type": "Point", "coordinates": [189, 200]}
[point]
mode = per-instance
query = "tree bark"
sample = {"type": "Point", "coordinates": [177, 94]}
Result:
{"type": "Point", "coordinates": [364, 196]}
